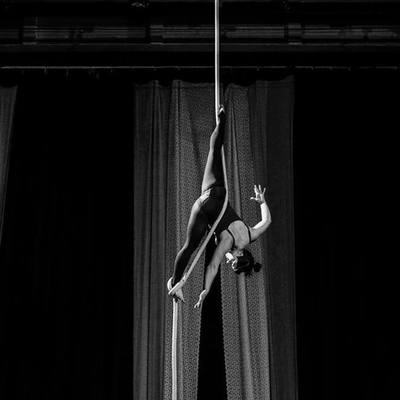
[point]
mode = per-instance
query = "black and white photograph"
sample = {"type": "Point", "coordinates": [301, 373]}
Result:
{"type": "Point", "coordinates": [198, 199]}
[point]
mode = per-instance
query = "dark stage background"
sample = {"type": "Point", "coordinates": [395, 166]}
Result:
{"type": "Point", "coordinates": [66, 332]}
{"type": "Point", "coordinates": [66, 254]}
{"type": "Point", "coordinates": [346, 124]}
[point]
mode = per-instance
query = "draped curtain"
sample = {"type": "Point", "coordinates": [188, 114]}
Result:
{"type": "Point", "coordinates": [271, 106]}
{"type": "Point", "coordinates": [172, 125]}
{"type": "Point", "coordinates": [7, 102]}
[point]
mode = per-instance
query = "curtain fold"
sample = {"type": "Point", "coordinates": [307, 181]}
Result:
{"type": "Point", "coordinates": [7, 103]}
{"type": "Point", "coordinates": [173, 124]}
{"type": "Point", "coordinates": [245, 336]}
{"type": "Point", "coordinates": [271, 107]}
{"type": "Point", "coordinates": [151, 104]}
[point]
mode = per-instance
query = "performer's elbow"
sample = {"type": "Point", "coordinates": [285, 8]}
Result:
{"type": "Point", "coordinates": [266, 224]}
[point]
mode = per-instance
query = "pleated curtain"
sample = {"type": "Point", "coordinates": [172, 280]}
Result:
{"type": "Point", "coordinates": [172, 125]}
{"type": "Point", "coordinates": [7, 103]}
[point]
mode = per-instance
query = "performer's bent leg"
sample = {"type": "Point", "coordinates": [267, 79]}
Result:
{"type": "Point", "coordinates": [197, 227]}
{"type": "Point", "coordinates": [214, 172]}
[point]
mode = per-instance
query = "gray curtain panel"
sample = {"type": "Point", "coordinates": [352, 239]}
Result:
{"type": "Point", "coordinates": [172, 128]}
{"type": "Point", "coordinates": [7, 102]}
{"type": "Point", "coordinates": [271, 106]}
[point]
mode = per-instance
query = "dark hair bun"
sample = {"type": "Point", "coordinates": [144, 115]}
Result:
{"type": "Point", "coordinates": [257, 267]}
{"type": "Point", "coordinates": [246, 264]}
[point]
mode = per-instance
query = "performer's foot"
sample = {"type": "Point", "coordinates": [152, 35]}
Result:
{"type": "Point", "coordinates": [179, 295]}
{"type": "Point", "coordinates": [176, 291]}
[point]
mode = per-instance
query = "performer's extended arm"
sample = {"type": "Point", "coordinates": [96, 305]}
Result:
{"type": "Point", "coordinates": [262, 226]}
{"type": "Point", "coordinates": [212, 268]}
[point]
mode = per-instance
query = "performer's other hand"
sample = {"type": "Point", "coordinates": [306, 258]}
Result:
{"type": "Point", "coordinates": [259, 194]}
{"type": "Point", "coordinates": [202, 296]}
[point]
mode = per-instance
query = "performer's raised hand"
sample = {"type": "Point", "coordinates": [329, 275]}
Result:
{"type": "Point", "coordinates": [259, 194]}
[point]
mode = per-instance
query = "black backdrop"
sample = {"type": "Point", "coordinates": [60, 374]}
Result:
{"type": "Point", "coordinates": [345, 164]}
{"type": "Point", "coordinates": [77, 178]}
{"type": "Point", "coordinates": [66, 279]}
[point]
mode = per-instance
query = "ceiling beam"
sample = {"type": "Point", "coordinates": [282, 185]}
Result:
{"type": "Point", "coordinates": [266, 33]}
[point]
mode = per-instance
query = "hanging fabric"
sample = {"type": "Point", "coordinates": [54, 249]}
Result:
{"type": "Point", "coordinates": [174, 355]}
{"type": "Point", "coordinates": [7, 102]}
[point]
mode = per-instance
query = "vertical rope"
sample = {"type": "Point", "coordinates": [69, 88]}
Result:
{"type": "Point", "coordinates": [174, 356]}
{"type": "Point", "coordinates": [217, 104]}
{"type": "Point", "coordinates": [216, 59]}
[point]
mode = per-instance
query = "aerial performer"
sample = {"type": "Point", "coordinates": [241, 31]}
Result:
{"type": "Point", "coordinates": [232, 234]}
{"type": "Point", "coordinates": [212, 214]}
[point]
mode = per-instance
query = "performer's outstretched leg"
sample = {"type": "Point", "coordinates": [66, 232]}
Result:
{"type": "Point", "coordinates": [214, 172]}
{"type": "Point", "coordinates": [198, 221]}
{"type": "Point", "coordinates": [197, 227]}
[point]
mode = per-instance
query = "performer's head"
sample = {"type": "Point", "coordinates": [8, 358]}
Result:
{"type": "Point", "coordinates": [245, 262]}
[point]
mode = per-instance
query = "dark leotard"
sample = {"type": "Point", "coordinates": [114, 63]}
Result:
{"type": "Point", "coordinates": [212, 205]}
{"type": "Point", "coordinates": [233, 244]}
